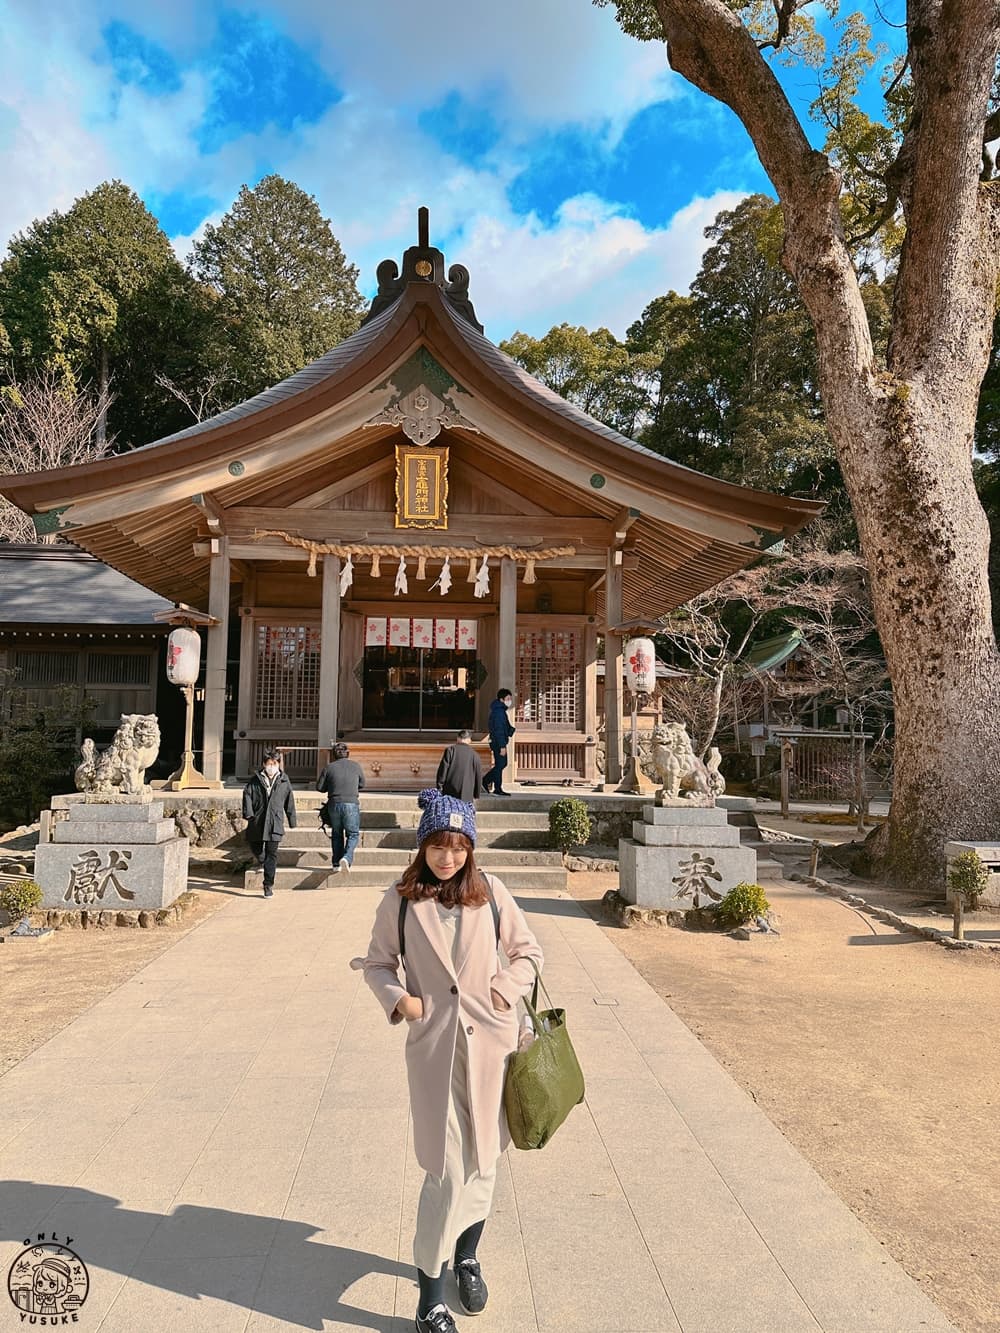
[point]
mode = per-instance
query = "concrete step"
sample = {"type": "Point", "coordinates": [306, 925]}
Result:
{"type": "Point", "coordinates": [516, 878]}
{"type": "Point", "coordinates": [405, 839]}
{"type": "Point", "coordinates": [489, 858]}
{"type": "Point", "coordinates": [408, 816]}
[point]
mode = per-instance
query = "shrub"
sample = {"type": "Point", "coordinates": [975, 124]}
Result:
{"type": "Point", "coordinates": [967, 878]}
{"type": "Point", "coordinates": [569, 823]}
{"type": "Point", "coordinates": [744, 902]}
{"type": "Point", "coordinates": [18, 899]}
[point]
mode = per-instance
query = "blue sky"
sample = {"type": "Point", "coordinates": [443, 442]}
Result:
{"type": "Point", "coordinates": [562, 162]}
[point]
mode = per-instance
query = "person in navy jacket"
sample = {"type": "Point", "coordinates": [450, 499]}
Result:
{"type": "Point", "coordinates": [501, 730]}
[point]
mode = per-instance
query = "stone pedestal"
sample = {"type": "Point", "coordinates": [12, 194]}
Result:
{"type": "Point", "coordinates": [681, 858]}
{"type": "Point", "coordinates": [113, 855]}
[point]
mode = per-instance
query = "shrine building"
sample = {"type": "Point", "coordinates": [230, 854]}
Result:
{"type": "Point", "coordinates": [399, 530]}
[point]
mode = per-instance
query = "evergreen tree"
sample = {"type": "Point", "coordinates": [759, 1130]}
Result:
{"type": "Point", "coordinates": [98, 295]}
{"type": "Point", "coordinates": [737, 395]}
{"type": "Point", "coordinates": [286, 294]}
{"type": "Point", "coordinates": [593, 370]}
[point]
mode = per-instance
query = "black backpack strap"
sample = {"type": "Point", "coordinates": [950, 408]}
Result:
{"type": "Point", "coordinates": [403, 904]}
{"type": "Point", "coordinates": [494, 909]}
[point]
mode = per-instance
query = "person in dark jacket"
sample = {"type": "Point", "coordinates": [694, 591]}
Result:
{"type": "Point", "coordinates": [343, 780]}
{"type": "Point", "coordinates": [460, 774]}
{"type": "Point", "coordinates": [501, 730]}
{"type": "Point", "coordinates": [268, 802]}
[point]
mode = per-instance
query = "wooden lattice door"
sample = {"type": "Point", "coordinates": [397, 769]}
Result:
{"type": "Point", "coordinates": [286, 676]}
{"type": "Point", "coordinates": [549, 695]}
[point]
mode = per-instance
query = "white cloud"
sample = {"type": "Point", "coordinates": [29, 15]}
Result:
{"type": "Point", "coordinates": [593, 266]}
{"type": "Point", "coordinates": [65, 125]}
{"type": "Point", "coordinates": [534, 62]}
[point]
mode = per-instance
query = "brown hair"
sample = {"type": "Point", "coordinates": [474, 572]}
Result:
{"type": "Point", "coordinates": [467, 888]}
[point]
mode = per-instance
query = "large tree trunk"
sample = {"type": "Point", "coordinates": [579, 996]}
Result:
{"type": "Point", "coordinates": [903, 431]}
{"type": "Point", "coordinates": [926, 541]}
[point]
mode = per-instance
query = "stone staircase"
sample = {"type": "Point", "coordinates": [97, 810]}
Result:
{"type": "Point", "coordinates": [741, 814]}
{"type": "Point", "coordinates": [512, 843]}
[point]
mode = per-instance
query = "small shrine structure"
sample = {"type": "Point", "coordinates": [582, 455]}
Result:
{"type": "Point", "coordinates": [399, 530]}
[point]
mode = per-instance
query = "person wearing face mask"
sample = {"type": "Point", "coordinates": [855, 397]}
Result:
{"type": "Point", "coordinates": [444, 921]}
{"type": "Point", "coordinates": [268, 802]}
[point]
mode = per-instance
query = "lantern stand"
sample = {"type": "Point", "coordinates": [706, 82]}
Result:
{"type": "Point", "coordinates": [640, 667]}
{"type": "Point", "coordinates": [188, 777]}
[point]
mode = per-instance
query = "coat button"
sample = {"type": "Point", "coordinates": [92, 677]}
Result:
{"type": "Point", "coordinates": [469, 1030]}
{"type": "Point", "coordinates": [454, 990]}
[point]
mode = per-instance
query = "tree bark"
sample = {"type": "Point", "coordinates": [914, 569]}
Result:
{"type": "Point", "coordinates": [101, 428]}
{"type": "Point", "coordinates": [903, 431]}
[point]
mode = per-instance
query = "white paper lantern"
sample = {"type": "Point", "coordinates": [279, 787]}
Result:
{"type": "Point", "coordinates": [183, 656]}
{"type": "Point", "coordinates": [640, 666]}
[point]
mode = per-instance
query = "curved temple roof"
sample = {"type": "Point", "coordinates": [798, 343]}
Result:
{"type": "Point", "coordinates": [144, 511]}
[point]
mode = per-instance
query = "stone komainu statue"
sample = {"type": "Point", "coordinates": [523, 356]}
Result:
{"type": "Point", "coordinates": [121, 768]}
{"type": "Point", "coordinates": [677, 766]}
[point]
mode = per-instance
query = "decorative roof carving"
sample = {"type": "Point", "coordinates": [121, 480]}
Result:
{"type": "Point", "coordinates": [423, 263]}
{"type": "Point", "coordinates": [422, 404]}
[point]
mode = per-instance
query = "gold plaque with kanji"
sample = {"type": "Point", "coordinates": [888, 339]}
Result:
{"type": "Point", "coordinates": [421, 486]}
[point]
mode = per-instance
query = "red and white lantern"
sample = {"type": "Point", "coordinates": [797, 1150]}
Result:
{"type": "Point", "coordinates": [640, 666]}
{"type": "Point", "coordinates": [183, 656]}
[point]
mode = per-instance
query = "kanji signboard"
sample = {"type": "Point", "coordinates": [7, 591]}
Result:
{"type": "Point", "coordinates": [421, 486]}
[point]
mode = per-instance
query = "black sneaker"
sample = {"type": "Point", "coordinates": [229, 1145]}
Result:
{"type": "Point", "coordinates": [472, 1293]}
{"type": "Point", "coordinates": [268, 891]}
{"type": "Point", "coordinates": [438, 1320]}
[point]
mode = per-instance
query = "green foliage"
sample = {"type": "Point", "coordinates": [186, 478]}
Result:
{"type": "Point", "coordinates": [19, 898]}
{"type": "Point", "coordinates": [569, 823]}
{"type": "Point", "coordinates": [744, 902]}
{"type": "Point", "coordinates": [285, 293]}
{"type": "Point", "coordinates": [967, 878]}
{"type": "Point", "coordinates": [38, 744]}
{"type": "Point", "coordinates": [603, 376]}
{"type": "Point", "coordinates": [98, 295]}
{"type": "Point", "coordinates": [736, 393]}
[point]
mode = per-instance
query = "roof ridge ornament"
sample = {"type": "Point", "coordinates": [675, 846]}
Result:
{"type": "Point", "coordinates": [423, 262]}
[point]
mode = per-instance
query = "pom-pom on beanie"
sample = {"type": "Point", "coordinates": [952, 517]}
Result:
{"type": "Point", "coordinates": [445, 814]}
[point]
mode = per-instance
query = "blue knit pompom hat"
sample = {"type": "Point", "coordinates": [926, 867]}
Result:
{"type": "Point", "coordinates": [445, 814]}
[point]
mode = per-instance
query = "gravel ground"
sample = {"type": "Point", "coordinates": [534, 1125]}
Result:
{"type": "Point", "coordinates": [876, 1053]}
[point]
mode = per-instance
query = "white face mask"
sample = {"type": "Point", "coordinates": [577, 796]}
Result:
{"type": "Point", "coordinates": [270, 771]}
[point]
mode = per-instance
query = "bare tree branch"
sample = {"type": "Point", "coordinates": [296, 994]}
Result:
{"type": "Point", "coordinates": [44, 425]}
{"type": "Point", "coordinates": [205, 400]}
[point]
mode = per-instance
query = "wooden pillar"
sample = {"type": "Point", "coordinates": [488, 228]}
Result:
{"type": "Point", "coordinates": [590, 698]}
{"type": "Point", "coordinates": [248, 671]}
{"type": "Point", "coordinates": [507, 643]}
{"type": "Point", "coordinates": [329, 654]}
{"type": "Point", "coordinates": [613, 669]}
{"type": "Point", "coordinates": [215, 660]}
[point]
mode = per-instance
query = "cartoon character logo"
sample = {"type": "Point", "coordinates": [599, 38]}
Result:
{"type": "Point", "coordinates": [48, 1279]}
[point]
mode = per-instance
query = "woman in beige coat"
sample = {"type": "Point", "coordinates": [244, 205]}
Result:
{"type": "Point", "coordinates": [460, 1005]}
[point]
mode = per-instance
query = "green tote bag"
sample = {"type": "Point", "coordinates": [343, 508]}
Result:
{"type": "Point", "coordinates": [543, 1082]}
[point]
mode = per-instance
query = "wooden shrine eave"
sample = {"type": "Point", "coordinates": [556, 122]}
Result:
{"type": "Point", "coordinates": [265, 438]}
{"type": "Point", "coordinates": [325, 525]}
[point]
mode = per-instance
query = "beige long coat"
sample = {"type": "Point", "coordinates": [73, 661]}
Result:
{"type": "Point", "coordinates": [452, 995]}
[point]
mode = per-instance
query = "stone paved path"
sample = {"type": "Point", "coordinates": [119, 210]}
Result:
{"type": "Point", "coordinates": [225, 1137]}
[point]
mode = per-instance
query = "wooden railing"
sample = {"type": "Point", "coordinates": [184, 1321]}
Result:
{"type": "Point", "coordinates": [551, 760]}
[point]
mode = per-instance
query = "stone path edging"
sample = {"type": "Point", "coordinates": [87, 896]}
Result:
{"type": "Point", "coordinates": [942, 937]}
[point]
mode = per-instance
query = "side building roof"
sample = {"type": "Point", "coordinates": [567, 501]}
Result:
{"type": "Point", "coordinates": [60, 585]}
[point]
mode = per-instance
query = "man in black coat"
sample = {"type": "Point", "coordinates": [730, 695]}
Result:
{"type": "Point", "coordinates": [460, 774]}
{"type": "Point", "coordinates": [268, 801]}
